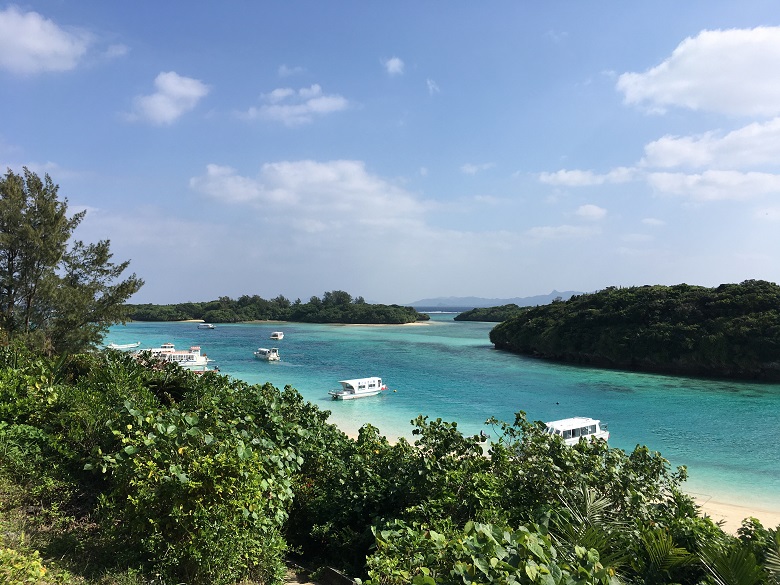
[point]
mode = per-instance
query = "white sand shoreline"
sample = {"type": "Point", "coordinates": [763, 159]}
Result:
{"type": "Point", "coordinates": [731, 514]}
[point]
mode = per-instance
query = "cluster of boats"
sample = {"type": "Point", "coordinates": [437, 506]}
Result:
{"type": "Point", "coordinates": [272, 354]}
{"type": "Point", "coordinates": [189, 359]}
{"type": "Point", "coordinates": [571, 430]}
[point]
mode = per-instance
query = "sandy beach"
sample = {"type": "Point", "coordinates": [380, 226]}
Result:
{"type": "Point", "coordinates": [732, 515]}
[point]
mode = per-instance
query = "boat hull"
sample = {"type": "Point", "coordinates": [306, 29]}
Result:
{"type": "Point", "coordinates": [350, 396]}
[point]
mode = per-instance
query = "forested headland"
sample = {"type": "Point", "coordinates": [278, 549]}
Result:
{"type": "Point", "coordinates": [491, 314]}
{"type": "Point", "coordinates": [334, 307]}
{"type": "Point", "coordinates": [730, 331]}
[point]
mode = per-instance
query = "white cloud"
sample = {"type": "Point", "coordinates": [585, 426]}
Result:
{"type": "Point", "coordinates": [727, 71]}
{"type": "Point", "coordinates": [472, 169]}
{"type": "Point", "coordinates": [114, 51]}
{"type": "Point", "coordinates": [285, 71]}
{"type": "Point", "coordinates": [433, 87]}
{"type": "Point", "coordinates": [716, 185]}
{"type": "Point", "coordinates": [591, 212]}
{"type": "Point", "coordinates": [314, 196]}
{"type": "Point", "coordinates": [30, 43]}
{"type": "Point", "coordinates": [222, 182]}
{"type": "Point", "coordinates": [748, 147]}
{"type": "Point", "coordinates": [393, 66]}
{"type": "Point", "coordinates": [175, 96]}
{"type": "Point", "coordinates": [294, 108]}
{"type": "Point", "coordinates": [580, 178]}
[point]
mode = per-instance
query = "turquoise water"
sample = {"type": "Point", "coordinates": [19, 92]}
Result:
{"type": "Point", "coordinates": [724, 432]}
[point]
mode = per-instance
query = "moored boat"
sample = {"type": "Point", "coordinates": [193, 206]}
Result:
{"type": "Point", "coordinates": [271, 355]}
{"type": "Point", "coordinates": [122, 346]}
{"type": "Point", "coordinates": [358, 388]}
{"type": "Point", "coordinates": [576, 428]}
{"type": "Point", "coordinates": [191, 359]}
{"type": "Point", "coordinates": [206, 326]}
{"type": "Point", "coordinates": [277, 335]}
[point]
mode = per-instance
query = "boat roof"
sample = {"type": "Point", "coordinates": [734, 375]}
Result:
{"type": "Point", "coordinates": [358, 380]}
{"type": "Point", "coordinates": [571, 423]}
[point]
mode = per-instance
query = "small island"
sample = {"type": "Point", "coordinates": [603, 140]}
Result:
{"type": "Point", "coordinates": [491, 314]}
{"type": "Point", "coordinates": [732, 331]}
{"type": "Point", "coordinates": [334, 307]}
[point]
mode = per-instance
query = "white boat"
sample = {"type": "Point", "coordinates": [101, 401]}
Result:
{"type": "Point", "coordinates": [272, 355]}
{"type": "Point", "coordinates": [206, 326]}
{"type": "Point", "coordinates": [277, 335]}
{"type": "Point", "coordinates": [358, 388]}
{"type": "Point", "coordinates": [576, 428]}
{"type": "Point", "coordinates": [123, 345]}
{"type": "Point", "coordinates": [191, 359]}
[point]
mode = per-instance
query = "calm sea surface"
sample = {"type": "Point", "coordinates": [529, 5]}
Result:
{"type": "Point", "coordinates": [724, 432]}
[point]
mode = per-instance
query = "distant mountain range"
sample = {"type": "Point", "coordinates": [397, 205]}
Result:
{"type": "Point", "coordinates": [479, 302]}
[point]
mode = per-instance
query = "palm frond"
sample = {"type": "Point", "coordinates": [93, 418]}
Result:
{"type": "Point", "coordinates": [659, 556]}
{"type": "Point", "coordinates": [733, 565]}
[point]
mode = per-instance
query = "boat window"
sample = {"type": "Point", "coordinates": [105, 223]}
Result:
{"type": "Point", "coordinates": [575, 433]}
{"type": "Point", "coordinates": [567, 434]}
{"type": "Point", "coordinates": [592, 429]}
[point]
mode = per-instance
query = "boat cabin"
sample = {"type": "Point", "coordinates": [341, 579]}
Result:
{"type": "Point", "coordinates": [571, 430]}
{"type": "Point", "coordinates": [358, 388]}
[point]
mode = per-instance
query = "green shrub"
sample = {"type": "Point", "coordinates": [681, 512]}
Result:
{"type": "Point", "coordinates": [478, 553]}
{"type": "Point", "coordinates": [203, 492]}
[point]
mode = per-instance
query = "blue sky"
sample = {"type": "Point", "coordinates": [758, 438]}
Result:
{"type": "Point", "coordinates": [405, 150]}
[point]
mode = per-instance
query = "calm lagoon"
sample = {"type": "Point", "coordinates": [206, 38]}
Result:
{"type": "Point", "coordinates": [724, 432]}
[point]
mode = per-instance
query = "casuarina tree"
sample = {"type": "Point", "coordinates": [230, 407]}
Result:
{"type": "Point", "coordinates": [58, 295]}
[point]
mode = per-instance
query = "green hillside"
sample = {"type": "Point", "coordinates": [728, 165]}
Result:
{"type": "Point", "coordinates": [730, 331]}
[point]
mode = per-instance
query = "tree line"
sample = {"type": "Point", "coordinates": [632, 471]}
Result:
{"type": "Point", "coordinates": [732, 330]}
{"type": "Point", "coordinates": [494, 314]}
{"type": "Point", "coordinates": [334, 307]}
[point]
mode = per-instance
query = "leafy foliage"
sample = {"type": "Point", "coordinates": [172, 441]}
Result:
{"type": "Point", "coordinates": [729, 331]}
{"type": "Point", "coordinates": [478, 553]}
{"type": "Point", "coordinates": [204, 491]}
{"type": "Point", "coordinates": [203, 479]}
